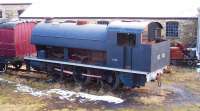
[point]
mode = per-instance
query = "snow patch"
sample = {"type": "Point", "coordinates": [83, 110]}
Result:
{"type": "Point", "coordinates": [109, 99]}
{"type": "Point", "coordinates": [65, 94]}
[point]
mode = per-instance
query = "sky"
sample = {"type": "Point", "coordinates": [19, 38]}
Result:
{"type": "Point", "coordinates": [112, 8]}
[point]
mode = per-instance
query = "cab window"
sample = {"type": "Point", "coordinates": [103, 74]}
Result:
{"type": "Point", "coordinates": [126, 39]}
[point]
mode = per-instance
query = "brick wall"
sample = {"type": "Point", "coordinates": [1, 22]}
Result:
{"type": "Point", "coordinates": [187, 30]}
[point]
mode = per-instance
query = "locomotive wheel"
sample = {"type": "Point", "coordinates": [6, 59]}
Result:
{"type": "Point", "coordinates": [80, 79]}
{"type": "Point", "coordinates": [76, 77]}
{"type": "Point", "coordinates": [3, 67]}
{"type": "Point", "coordinates": [86, 80]}
{"type": "Point", "coordinates": [100, 84]}
{"type": "Point", "coordinates": [114, 81]}
{"type": "Point", "coordinates": [191, 62]}
{"type": "Point", "coordinates": [17, 65]}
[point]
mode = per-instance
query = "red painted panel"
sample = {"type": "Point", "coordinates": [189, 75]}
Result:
{"type": "Point", "coordinates": [15, 42]}
{"type": "Point", "coordinates": [7, 42]}
{"type": "Point", "coordinates": [176, 53]}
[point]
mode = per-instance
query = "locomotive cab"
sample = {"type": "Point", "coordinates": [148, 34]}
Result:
{"type": "Point", "coordinates": [137, 46]}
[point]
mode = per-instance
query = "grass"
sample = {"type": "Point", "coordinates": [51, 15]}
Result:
{"type": "Point", "coordinates": [185, 76]}
{"type": "Point", "coordinates": [76, 109]}
{"type": "Point", "coordinates": [186, 107]}
{"type": "Point", "coordinates": [179, 74]}
{"type": "Point", "coordinates": [11, 101]}
{"type": "Point", "coordinates": [34, 83]}
{"type": "Point", "coordinates": [152, 98]}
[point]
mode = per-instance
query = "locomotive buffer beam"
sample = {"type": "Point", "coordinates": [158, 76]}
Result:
{"type": "Point", "coordinates": [85, 65]}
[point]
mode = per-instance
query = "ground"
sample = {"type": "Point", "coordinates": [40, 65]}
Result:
{"type": "Point", "coordinates": [180, 91]}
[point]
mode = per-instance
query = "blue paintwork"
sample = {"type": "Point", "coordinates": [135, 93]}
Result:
{"type": "Point", "coordinates": [127, 79]}
{"type": "Point", "coordinates": [80, 36]}
{"type": "Point", "coordinates": [132, 80]}
{"type": "Point", "coordinates": [136, 27]}
{"type": "Point", "coordinates": [141, 57]}
{"type": "Point", "coordinates": [89, 36]}
{"type": "Point", "coordinates": [38, 65]}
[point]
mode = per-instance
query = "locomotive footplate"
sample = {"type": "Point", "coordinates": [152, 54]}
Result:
{"type": "Point", "coordinates": [84, 65]}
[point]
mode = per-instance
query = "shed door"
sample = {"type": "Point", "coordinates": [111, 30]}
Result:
{"type": "Point", "coordinates": [127, 41]}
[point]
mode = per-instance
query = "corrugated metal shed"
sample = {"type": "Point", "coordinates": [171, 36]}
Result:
{"type": "Point", "coordinates": [113, 9]}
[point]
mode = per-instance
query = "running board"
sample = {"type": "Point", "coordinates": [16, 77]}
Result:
{"type": "Point", "coordinates": [85, 65]}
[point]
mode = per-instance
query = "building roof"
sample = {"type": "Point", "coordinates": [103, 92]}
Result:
{"type": "Point", "coordinates": [15, 2]}
{"type": "Point", "coordinates": [113, 9]}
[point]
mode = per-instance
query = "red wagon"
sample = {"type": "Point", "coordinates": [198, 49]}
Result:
{"type": "Point", "coordinates": [15, 43]}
